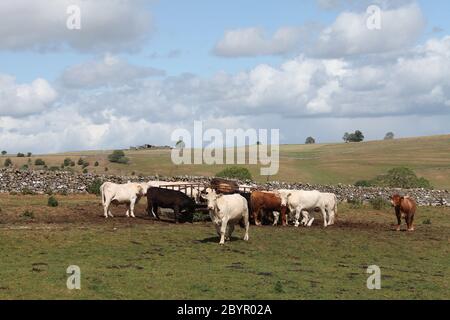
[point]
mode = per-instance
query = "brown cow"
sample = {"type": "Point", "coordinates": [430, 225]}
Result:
{"type": "Point", "coordinates": [263, 202]}
{"type": "Point", "coordinates": [404, 207]}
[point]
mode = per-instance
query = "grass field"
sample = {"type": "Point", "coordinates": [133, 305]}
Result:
{"type": "Point", "coordinates": [322, 163]}
{"type": "Point", "coordinates": [143, 259]}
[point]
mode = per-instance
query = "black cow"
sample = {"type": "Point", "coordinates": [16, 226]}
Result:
{"type": "Point", "coordinates": [170, 199]}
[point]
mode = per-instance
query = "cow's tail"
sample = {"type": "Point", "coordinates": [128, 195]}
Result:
{"type": "Point", "coordinates": [102, 191]}
{"type": "Point", "coordinates": [335, 206]}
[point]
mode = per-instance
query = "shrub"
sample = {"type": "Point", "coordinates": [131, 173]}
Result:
{"type": "Point", "coordinates": [201, 217]}
{"type": "Point", "coordinates": [80, 162]}
{"type": "Point", "coordinates": [106, 169]}
{"type": "Point", "coordinates": [52, 202]}
{"type": "Point", "coordinates": [118, 156]}
{"type": "Point", "coordinates": [8, 162]}
{"type": "Point", "coordinates": [67, 162]}
{"type": "Point", "coordinates": [401, 177]}
{"type": "Point", "coordinates": [85, 164]}
{"type": "Point", "coordinates": [72, 163]}
{"type": "Point", "coordinates": [355, 203]}
{"type": "Point", "coordinates": [379, 203]}
{"type": "Point", "coordinates": [28, 214]}
{"type": "Point", "coordinates": [27, 191]}
{"type": "Point", "coordinates": [85, 170]}
{"type": "Point", "coordinates": [427, 221]}
{"type": "Point", "coordinates": [363, 183]}
{"type": "Point", "coordinates": [96, 164]}
{"type": "Point", "coordinates": [235, 173]}
{"type": "Point", "coordinates": [94, 187]}
{"type": "Point", "coordinates": [54, 168]}
{"type": "Point", "coordinates": [24, 167]}
{"type": "Point", "coordinates": [20, 155]}
{"type": "Point", "coordinates": [39, 162]}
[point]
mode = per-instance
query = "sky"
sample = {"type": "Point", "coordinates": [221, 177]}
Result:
{"type": "Point", "coordinates": [136, 70]}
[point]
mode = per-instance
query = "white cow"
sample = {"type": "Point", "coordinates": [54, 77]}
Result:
{"type": "Point", "coordinates": [300, 201]}
{"type": "Point", "coordinates": [226, 211]}
{"type": "Point", "coordinates": [129, 193]}
{"type": "Point", "coordinates": [330, 202]}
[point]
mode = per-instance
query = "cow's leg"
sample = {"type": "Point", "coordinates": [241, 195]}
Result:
{"type": "Point", "coordinates": [223, 229]}
{"type": "Point", "coordinates": [155, 211]}
{"type": "Point", "coordinates": [128, 210]}
{"type": "Point", "coordinates": [106, 208]}
{"type": "Point", "coordinates": [176, 212]}
{"type": "Point", "coordinates": [305, 217]}
{"type": "Point", "coordinates": [298, 212]}
{"type": "Point", "coordinates": [132, 203]}
{"type": "Point", "coordinates": [230, 230]}
{"type": "Point", "coordinates": [247, 226]}
{"type": "Point", "coordinates": [257, 214]}
{"type": "Point", "coordinates": [399, 218]}
{"type": "Point", "coordinates": [325, 220]}
{"type": "Point", "coordinates": [411, 222]}
{"type": "Point", "coordinates": [276, 217]}
{"type": "Point", "coordinates": [283, 216]}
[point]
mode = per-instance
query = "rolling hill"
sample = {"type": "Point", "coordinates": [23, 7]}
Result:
{"type": "Point", "coordinates": [321, 163]}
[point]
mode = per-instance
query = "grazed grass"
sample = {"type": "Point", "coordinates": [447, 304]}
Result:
{"type": "Point", "coordinates": [321, 163]}
{"type": "Point", "coordinates": [123, 258]}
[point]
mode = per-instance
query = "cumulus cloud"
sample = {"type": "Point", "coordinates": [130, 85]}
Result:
{"type": "Point", "coordinates": [349, 35]}
{"type": "Point", "coordinates": [106, 25]}
{"type": "Point", "coordinates": [24, 99]}
{"type": "Point", "coordinates": [401, 26]}
{"type": "Point", "coordinates": [254, 41]}
{"type": "Point", "coordinates": [108, 71]}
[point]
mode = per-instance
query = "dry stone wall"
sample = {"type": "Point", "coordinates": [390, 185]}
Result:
{"type": "Point", "coordinates": [40, 182]}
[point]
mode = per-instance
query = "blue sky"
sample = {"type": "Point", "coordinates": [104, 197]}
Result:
{"type": "Point", "coordinates": [307, 67]}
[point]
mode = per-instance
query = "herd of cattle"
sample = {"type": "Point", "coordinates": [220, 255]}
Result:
{"type": "Point", "coordinates": [229, 209]}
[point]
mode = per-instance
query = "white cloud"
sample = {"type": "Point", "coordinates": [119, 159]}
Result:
{"type": "Point", "coordinates": [253, 42]}
{"type": "Point", "coordinates": [106, 25]}
{"type": "Point", "coordinates": [349, 35]}
{"type": "Point", "coordinates": [108, 71]}
{"type": "Point", "coordinates": [24, 99]}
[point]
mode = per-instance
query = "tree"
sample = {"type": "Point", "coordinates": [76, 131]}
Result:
{"type": "Point", "coordinates": [29, 154]}
{"type": "Point", "coordinates": [180, 144]}
{"type": "Point", "coordinates": [357, 136]}
{"type": "Point", "coordinates": [20, 155]}
{"type": "Point", "coordinates": [4, 152]}
{"type": "Point", "coordinates": [389, 136]}
{"type": "Point", "coordinates": [310, 140]}
{"type": "Point", "coordinates": [346, 137]}
{"type": "Point", "coordinates": [235, 172]}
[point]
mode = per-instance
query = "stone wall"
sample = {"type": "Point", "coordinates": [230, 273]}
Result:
{"type": "Point", "coordinates": [40, 182]}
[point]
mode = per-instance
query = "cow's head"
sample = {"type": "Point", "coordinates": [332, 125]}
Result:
{"type": "Point", "coordinates": [141, 191]}
{"type": "Point", "coordinates": [211, 197]}
{"type": "Point", "coordinates": [396, 200]}
{"type": "Point", "coordinates": [284, 195]}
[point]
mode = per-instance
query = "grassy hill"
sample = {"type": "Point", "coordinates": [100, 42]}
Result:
{"type": "Point", "coordinates": [321, 163]}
